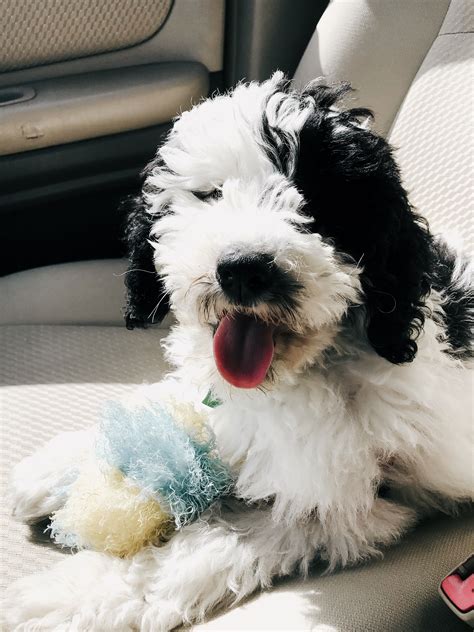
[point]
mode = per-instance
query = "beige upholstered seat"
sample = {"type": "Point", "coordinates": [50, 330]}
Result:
{"type": "Point", "coordinates": [64, 351]}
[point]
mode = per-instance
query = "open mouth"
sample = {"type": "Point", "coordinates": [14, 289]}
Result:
{"type": "Point", "coordinates": [243, 349]}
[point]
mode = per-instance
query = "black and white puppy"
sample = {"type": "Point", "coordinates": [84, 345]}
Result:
{"type": "Point", "coordinates": [314, 303]}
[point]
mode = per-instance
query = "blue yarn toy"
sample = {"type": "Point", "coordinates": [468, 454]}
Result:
{"type": "Point", "coordinates": [157, 469]}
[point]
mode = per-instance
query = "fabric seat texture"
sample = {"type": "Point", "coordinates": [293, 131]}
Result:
{"type": "Point", "coordinates": [64, 351]}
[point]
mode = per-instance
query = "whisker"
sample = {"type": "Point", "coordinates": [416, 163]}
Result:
{"type": "Point", "coordinates": [202, 280]}
{"type": "Point", "coordinates": [152, 314]}
{"type": "Point", "coordinates": [133, 270]}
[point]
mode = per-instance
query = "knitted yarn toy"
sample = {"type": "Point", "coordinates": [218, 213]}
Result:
{"type": "Point", "coordinates": [157, 469]}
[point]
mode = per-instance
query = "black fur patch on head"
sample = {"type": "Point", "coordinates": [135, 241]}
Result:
{"type": "Point", "coordinates": [147, 302]}
{"type": "Point", "coordinates": [457, 294]}
{"type": "Point", "coordinates": [355, 198]}
{"type": "Point", "coordinates": [278, 144]}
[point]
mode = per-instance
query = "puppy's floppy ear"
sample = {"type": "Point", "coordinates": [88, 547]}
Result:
{"type": "Point", "coordinates": [396, 280]}
{"type": "Point", "coordinates": [147, 301]}
{"type": "Point", "coordinates": [354, 194]}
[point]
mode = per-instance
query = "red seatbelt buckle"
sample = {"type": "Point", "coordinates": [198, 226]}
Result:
{"type": "Point", "coordinates": [457, 590]}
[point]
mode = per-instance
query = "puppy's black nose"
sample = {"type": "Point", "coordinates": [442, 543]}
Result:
{"type": "Point", "coordinates": [245, 279]}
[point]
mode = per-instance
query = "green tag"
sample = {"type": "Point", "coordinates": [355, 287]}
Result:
{"type": "Point", "coordinates": [211, 401]}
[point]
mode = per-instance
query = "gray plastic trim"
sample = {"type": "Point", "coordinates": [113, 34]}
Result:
{"type": "Point", "coordinates": [17, 94]}
{"type": "Point", "coordinates": [69, 109]}
{"type": "Point", "coordinates": [39, 177]}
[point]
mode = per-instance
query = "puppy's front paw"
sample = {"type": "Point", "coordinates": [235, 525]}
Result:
{"type": "Point", "coordinates": [87, 592]}
{"type": "Point", "coordinates": [40, 482]}
{"type": "Point", "coordinates": [164, 617]}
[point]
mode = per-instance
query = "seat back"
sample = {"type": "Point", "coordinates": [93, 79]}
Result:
{"type": "Point", "coordinates": [413, 64]}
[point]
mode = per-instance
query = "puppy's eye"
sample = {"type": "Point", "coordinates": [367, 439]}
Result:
{"type": "Point", "coordinates": [205, 196]}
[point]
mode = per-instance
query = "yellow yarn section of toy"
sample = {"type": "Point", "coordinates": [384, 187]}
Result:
{"type": "Point", "coordinates": [107, 513]}
{"type": "Point", "coordinates": [186, 415]}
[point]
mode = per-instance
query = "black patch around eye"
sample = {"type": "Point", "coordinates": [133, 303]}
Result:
{"type": "Point", "coordinates": [205, 196]}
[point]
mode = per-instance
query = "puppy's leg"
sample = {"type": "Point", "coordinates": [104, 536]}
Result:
{"type": "Point", "coordinates": [205, 565]}
{"type": "Point", "coordinates": [227, 559]}
{"type": "Point", "coordinates": [356, 536]}
{"type": "Point", "coordinates": [40, 481]}
{"type": "Point", "coordinates": [218, 563]}
{"type": "Point", "coordinates": [87, 592]}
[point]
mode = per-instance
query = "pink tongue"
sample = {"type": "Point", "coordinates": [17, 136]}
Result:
{"type": "Point", "coordinates": [243, 349]}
